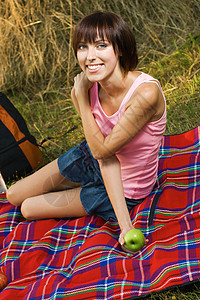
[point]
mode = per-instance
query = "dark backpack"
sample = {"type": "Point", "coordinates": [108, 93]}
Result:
{"type": "Point", "coordinates": [19, 152]}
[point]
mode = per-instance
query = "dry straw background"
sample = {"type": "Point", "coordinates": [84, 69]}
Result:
{"type": "Point", "coordinates": [37, 65]}
{"type": "Point", "coordinates": [35, 36]}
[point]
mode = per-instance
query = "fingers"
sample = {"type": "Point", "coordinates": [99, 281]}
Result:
{"type": "Point", "coordinates": [121, 240]}
{"type": "Point", "coordinates": [126, 250]}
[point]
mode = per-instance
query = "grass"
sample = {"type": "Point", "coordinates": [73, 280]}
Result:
{"type": "Point", "coordinates": [178, 73]}
{"type": "Point", "coordinates": [37, 68]}
{"type": "Point", "coordinates": [188, 292]}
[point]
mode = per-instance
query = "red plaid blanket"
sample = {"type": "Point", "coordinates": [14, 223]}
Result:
{"type": "Point", "coordinates": [81, 258]}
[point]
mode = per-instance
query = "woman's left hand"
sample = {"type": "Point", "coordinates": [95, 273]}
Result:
{"type": "Point", "coordinates": [81, 84]}
{"type": "Point", "coordinates": [122, 234]}
{"type": "Point", "coordinates": [121, 240]}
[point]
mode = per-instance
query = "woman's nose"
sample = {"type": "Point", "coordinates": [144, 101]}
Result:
{"type": "Point", "coordinates": [91, 53]}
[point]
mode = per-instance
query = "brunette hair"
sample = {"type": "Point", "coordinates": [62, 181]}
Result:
{"type": "Point", "coordinates": [112, 27]}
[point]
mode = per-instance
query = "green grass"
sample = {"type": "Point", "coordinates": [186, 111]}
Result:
{"type": "Point", "coordinates": [186, 292]}
{"type": "Point", "coordinates": [53, 121]}
{"type": "Point", "coordinates": [179, 74]}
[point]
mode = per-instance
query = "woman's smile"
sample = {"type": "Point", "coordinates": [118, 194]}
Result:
{"type": "Point", "coordinates": [94, 67]}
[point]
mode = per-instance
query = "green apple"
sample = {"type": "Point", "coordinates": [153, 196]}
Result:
{"type": "Point", "coordinates": [134, 240]}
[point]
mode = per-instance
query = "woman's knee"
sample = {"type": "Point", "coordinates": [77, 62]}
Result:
{"type": "Point", "coordinates": [26, 205]}
{"type": "Point", "coordinates": [12, 196]}
{"type": "Point", "coordinates": [27, 209]}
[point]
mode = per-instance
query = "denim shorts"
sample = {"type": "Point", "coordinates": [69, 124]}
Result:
{"type": "Point", "coordinates": [78, 165]}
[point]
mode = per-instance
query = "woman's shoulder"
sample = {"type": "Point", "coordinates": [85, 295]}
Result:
{"type": "Point", "coordinates": [148, 95]}
{"type": "Point", "coordinates": [142, 76]}
{"type": "Point", "coordinates": [144, 84]}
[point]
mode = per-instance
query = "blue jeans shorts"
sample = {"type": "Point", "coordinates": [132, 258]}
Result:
{"type": "Point", "coordinates": [78, 165]}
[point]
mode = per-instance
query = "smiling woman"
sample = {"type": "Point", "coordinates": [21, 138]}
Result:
{"type": "Point", "coordinates": [123, 113]}
{"type": "Point", "coordinates": [108, 27]}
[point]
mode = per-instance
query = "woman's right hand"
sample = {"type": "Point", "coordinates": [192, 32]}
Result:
{"type": "Point", "coordinates": [81, 84]}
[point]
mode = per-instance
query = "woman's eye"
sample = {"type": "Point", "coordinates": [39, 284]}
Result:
{"type": "Point", "coordinates": [81, 47]}
{"type": "Point", "coordinates": [101, 46]}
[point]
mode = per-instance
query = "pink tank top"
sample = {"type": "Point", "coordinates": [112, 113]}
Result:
{"type": "Point", "coordinates": [139, 158]}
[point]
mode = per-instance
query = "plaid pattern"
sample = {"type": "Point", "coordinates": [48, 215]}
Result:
{"type": "Point", "coordinates": [81, 258]}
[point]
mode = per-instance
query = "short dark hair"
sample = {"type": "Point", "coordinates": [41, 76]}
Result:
{"type": "Point", "coordinates": [112, 27]}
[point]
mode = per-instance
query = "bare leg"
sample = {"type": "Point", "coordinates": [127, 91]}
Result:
{"type": "Point", "coordinates": [45, 180]}
{"type": "Point", "coordinates": [54, 205]}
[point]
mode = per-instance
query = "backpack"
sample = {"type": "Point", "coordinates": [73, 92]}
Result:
{"type": "Point", "coordinates": [19, 151]}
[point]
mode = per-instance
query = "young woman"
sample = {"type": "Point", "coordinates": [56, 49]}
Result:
{"type": "Point", "coordinates": [123, 114]}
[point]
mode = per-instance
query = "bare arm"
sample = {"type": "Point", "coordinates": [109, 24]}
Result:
{"type": "Point", "coordinates": [111, 173]}
{"type": "Point", "coordinates": [75, 102]}
{"type": "Point", "coordinates": [141, 109]}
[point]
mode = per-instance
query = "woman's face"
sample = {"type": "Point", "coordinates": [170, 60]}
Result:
{"type": "Point", "coordinates": [98, 60]}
